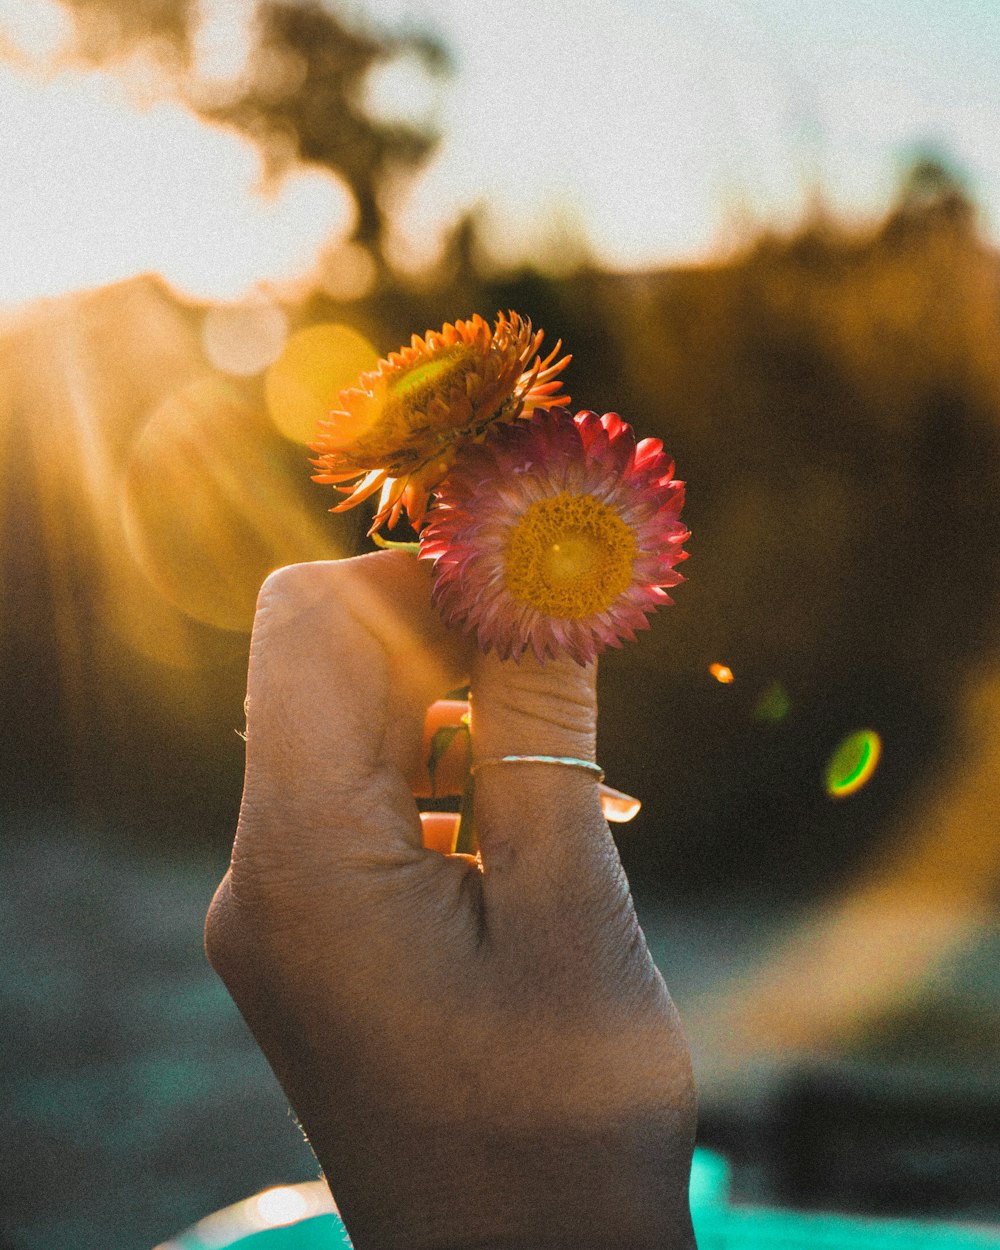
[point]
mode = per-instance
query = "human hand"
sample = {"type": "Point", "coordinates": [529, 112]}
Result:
{"type": "Point", "coordinates": [479, 1058]}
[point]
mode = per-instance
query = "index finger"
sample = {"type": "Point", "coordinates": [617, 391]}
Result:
{"type": "Point", "coordinates": [345, 658]}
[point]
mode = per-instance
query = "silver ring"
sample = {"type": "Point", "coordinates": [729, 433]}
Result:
{"type": "Point", "coordinates": [567, 761]}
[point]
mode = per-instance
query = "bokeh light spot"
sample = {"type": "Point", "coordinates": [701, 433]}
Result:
{"type": "Point", "coordinates": [209, 508]}
{"type": "Point", "coordinates": [283, 1205]}
{"type": "Point", "coordinates": [139, 617]}
{"type": "Point", "coordinates": [853, 763]}
{"type": "Point", "coordinates": [223, 39]}
{"type": "Point", "coordinates": [722, 673]}
{"type": "Point", "coordinates": [400, 91]}
{"type": "Point", "coordinates": [243, 339]}
{"type": "Point", "coordinates": [347, 272]}
{"type": "Point", "coordinates": [773, 705]}
{"type": "Point", "coordinates": [35, 30]}
{"type": "Point", "coordinates": [316, 364]}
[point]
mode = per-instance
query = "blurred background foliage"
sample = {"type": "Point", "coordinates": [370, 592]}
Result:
{"type": "Point", "coordinates": [832, 397]}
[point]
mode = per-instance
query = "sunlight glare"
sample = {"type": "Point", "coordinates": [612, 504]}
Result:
{"type": "Point", "coordinates": [98, 191]}
{"type": "Point", "coordinates": [400, 91]}
{"type": "Point", "coordinates": [87, 369]}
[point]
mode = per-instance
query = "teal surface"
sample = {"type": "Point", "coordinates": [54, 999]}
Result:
{"type": "Point", "coordinates": [721, 1226]}
{"type": "Point", "coordinates": [718, 1226]}
{"type": "Point", "coordinates": [319, 1232]}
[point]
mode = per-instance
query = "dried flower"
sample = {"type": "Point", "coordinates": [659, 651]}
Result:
{"type": "Point", "coordinates": [558, 534]}
{"type": "Point", "coordinates": [397, 431]}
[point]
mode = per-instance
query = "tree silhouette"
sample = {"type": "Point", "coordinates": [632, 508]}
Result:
{"type": "Point", "coordinates": [325, 115]}
{"type": "Point", "coordinates": [316, 114]}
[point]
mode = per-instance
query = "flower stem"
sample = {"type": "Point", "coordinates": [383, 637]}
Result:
{"type": "Point", "coordinates": [387, 544]}
{"type": "Point", "coordinates": [466, 842]}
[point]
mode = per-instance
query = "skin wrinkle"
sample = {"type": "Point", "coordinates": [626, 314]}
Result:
{"type": "Point", "coordinates": [570, 834]}
{"type": "Point", "coordinates": [438, 919]}
{"type": "Point", "coordinates": [559, 708]}
{"type": "Point", "coordinates": [554, 1053]}
{"type": "Point", "coordinates": [607, 963]}
{"type": "Point", "coordinates": [371, 1006]}
{"type": "Point", "coordinates": [267, 877]}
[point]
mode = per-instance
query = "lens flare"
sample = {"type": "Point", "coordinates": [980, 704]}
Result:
{"type": "Point", "coordinates": [722, 673]}
{"type": "Point", "coordinates": [208, 512]}
{"type": "Point", "coordinates": [317, 363]}
{"type": "Point", "coordinates": [853, 763]}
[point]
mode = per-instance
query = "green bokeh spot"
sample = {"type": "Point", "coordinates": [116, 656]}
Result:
{"type": "Point", "coordinates": [852, 763]}
{"type": "Point", "coordinates": [424, 376]}
{"type": "Point", "coordinates": [773, 705]}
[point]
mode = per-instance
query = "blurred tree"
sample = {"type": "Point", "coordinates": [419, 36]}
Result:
{"type": "Point", "coordinates": [931, 193]}
{"type": "Point", "coordinates": [325, 114]}
{"type": "Point", "coordinates": [301, 96]}
{"type": "Point", "coordinates": [107, 29]}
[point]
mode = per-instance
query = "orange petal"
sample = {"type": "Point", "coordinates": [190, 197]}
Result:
{"type": "Point", "coordinates": [367, 486]}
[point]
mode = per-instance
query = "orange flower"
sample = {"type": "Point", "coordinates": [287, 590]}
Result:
{"type": "Point", "coordinates": [398, 429]}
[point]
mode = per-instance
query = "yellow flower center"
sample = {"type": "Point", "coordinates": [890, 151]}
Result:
{"type": "Point", "coordinates": [569, 556]}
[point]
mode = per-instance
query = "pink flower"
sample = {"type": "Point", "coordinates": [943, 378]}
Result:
{"type": "Point", "coordinates": [558, 534]}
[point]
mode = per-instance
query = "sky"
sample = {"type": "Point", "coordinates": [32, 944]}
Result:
{"type": "Point", "coordinates": [660, 131]}
{"type": "Point", "coordinates": [669, 127]}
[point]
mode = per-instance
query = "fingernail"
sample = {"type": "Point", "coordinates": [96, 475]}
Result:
{"type": "Point", "coordinates": [618, 807]}
{"type": "Point", "coordinates": [439, 830]}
